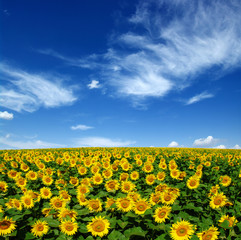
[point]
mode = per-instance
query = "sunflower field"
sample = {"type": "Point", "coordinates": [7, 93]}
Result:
{"type": "Point", "coordinates": [120, 193]}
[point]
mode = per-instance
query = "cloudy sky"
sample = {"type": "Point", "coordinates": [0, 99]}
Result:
{"type": "Point", "coordinates": [120, 73]}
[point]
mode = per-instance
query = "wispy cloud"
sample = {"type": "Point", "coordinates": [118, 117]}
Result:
{"type": "Point", "coordinates": [6, 115]}
{"type": "Point", "coordinates": [102, 142]}
{"type": "Point", "coordinates": [94, 84]}
{"type": "Point", "coordinates": [8, 143]}
{"type": "Point", "coordinates": [209, 141]}
{"type": "Point", "coordinates": [237, 147]}
{"type": "Point", "coordinates": [220, 146]}
{"type": "Point", "coordinates": [199, 97]}
{"type": "Point", "coordinates": [81, 127]}
{"type": "Point", "coordinates": [26, 91]}
{"type": "Point", "coordinates": [165, 52]}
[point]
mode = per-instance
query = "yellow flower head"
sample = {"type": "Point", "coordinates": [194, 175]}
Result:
{"type": "Point", "coordinates": [3, 187]}
{"type": "Point", "coordinates": [45, 193]}
{"type": "Point", "coordinates": [27, 201]}
{"type": "Point", "coordinates": [7, 225]}
{"type": "Point", "coordinates": [112, 185]}
{"type": "Point", "coordinates": [232, 220]}
{"type": "Point", "coordinates": [95, 205]}
{"type": "Point", "coordinates": [127, 186]}
{"type": "Point", "coordinates": [193, 182]}
{"type": "Point", "coordinates": [182, 230]}
{"type": "Point", "coordinates": [98, 226]}
{"type": "Point", "coordinates": [57, 203]}
{"type": "Point", "coordinates": [68, 227]}
{"type": "Point", "coordinates": [40, 228]}
{"type": "Point", "coordinates": [225, 180]}
{"type": "Point", "coordinates": [218, 200]}
{"type": "Point", "coordinates": [141, 206]}
{"type": "Point", "coordinates": [210, 234]}
{"type": "Point", "coordinates": [161, 214]}
{"type": "Point", "coordinates": [124, 204]}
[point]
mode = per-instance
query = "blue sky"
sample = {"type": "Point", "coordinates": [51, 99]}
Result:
{"type": "Point", "coordinates": [120, 73]}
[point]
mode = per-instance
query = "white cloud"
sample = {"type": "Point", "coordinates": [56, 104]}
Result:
{"type": "Point", "coordinates": [205, 142]}
{"type": "Point", "coordinates": [173, 144]}
{"type": "Point", "coordinates": [7, 143]}
{"type": "Point", "coordinates": [6, 115]}
{"type": "Point", "coordinates": [81, 127]}
{"type": "Point", "coordinates": [28, 92]}
{"type": "Point", "coordinates": [199, 97]}
{"type": "Point", "coordinates": [101, 142]}
{"type": "Point", "coordinates": [94, 84]}
{"type": "Point", "coordinates": [220, 147]}
{"type": "Point", "coordinates": [237, 147]}
{"type": "Point", "coordinates": [172, 49]}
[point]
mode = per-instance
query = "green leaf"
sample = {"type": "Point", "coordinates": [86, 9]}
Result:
{"type": "Point", "coordinates": [52, 222]}
{"type": "Point", "coordinates": [83, 228]}
{"type": "Point", "coordinates": [29, 235]}
{"type": "Point", "coordinates": [16, 217]}
{"type": "Point", "coordinates": [116, 235]}
{"type": "Point", "coordinates": [90, 238]}
{"type": "Point", "coordinates": [225, 224]}
{"type": "Point", "coordinates": [194, 237]}
{"type": "Point", "coordinates": [62, 236]}
{"type": "Point", "coordinates": [136, 231]}
{"type": "Point", "coordinates": [122, 224]}
{"type": "Point", "coordinates": [161, 237]}
{"type": "Point", "coordinates": [83, 212]}
{"type": "Point", "coordinates": [72, 191]}
{"type": "Point", "coordinates": [239, 226]}
{"type": "Point", "coordinates": [112, 222]}
{"type": "Point", "coordinates": [131, 214]}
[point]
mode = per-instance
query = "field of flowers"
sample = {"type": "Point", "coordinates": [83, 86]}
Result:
{"type": "Point", "coordinates": [120, 193]}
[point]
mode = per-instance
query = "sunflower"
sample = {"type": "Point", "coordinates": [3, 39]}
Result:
{"type": "Point", "coordinates": [60, 183]}
{"type": "Point", "coordinates": [109, 204]}
{"type": "Point", "coordinates": [95, 205]}
{"type": "Point", "coordinates": [7, 225]}
{"type": "Point", "coordinates": [82, 170]}
{"type": "Point", "coordinates": [45, 193]}
{"type": "Point", "coordinates": [82, 200]}
{"type": "Point", "coordinates": [27, 201]}
{"type": "Point", "coordinates": [112, 185]}
{"type": "Point", "coordinates": [107, 173]}
{"type": "Point", "coordinates": [82, 189]}
{"type": "Point", "coordinates": [141, 206]}
{"type": "Point", "coordinates": [24, 167]}
{"type": "Point", "coordinates": [168, 198]}
{"type": "Point", "coordinates": [74, 181]}
{"type": "Point", "coordinates": [150, 179]}
{"type": "Point", "coordinates": [47, 180]}
{"type": "Point", "coordinates": [12, 174]}
{"type": "Point", "coordinates": [135, 196]}
{"type": "Point", "coordinates": [161, 187]}
{"type": "Point", "coordinates": [97, 179]}
{"type": "Point", "coordinates": [218, 200]}
{"type": "Point", "coordinates": [17, 204]}
{"type": "Point", "coordinates": [65, 195]}
{"type": "Point", "coordinates": [64, 212]}
{"type": "Point", "coordinates": [31, 175]}
{"type": "Point", "coordinates": [161, 214]}
{"type": "Point", "coordinates": [213, 190]}
{"type": "Point", "coordinates": [68, 227]}
{"type": "Point", "coordinates": [210, 234]}
{"type": "Point", "coordinates": [134, 175]}
{"type": "Point", "coordinates": [155, 198]}
{"type": "Point", "coordinates": [21, 182]}
{"type": "Point", "coordinates": [225, 180]}
{"type": "Point", "coordinates": [127, 186]}
{"type": "Point", "coordinates": [148, 167]}
{"type": "Point", "coordinates": [182, 230]}
{"type": "Point", "coordinates": [124, 204]}
{"type": "Point", "coordinates": [3, 186]}
{"type": "Point", "coordinates": [232, 220]}
{"type": "Point", "coordinates": [161, 176]}
{"type": "Point", "coordinates": [98, 226]}
{"type": "Point", "coordinates": [57, 203]}
{"type": "Point", "coordinates": [40, 228]}
{"type": "Point", "coordinates": [193, 183]}
{"type": "Point", "coordinates": [175, 173]}
{"type": "Point", "coordinates": [124, 176]}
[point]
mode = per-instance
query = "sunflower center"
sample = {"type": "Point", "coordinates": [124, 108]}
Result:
{"type": "Point", "coordinates": [98, 226]}
{"type": "Point", "coordinates": [125, 204]}
{"type": "Point", "coordinates": [5, 224]}
{"type": "Point", "coordinates": [27, 201]}
{"type": "Point", "coordinates": [46, 193]}
{"type": "Point", "coordinates": [167, 198]}
{"type": "Point", "coordinates": [141, 207]}
{"type": "Point", "coordinates": [182, 231]}
{"type": "Point", "coordinates": [58, 204]}
{"type": "Point", "coordinates": [162, 214]}
{"type": "Point", "coordinates": [207, 236]}
{"type": "Point", "coordinates": [69, 227]}
{"type": "Point", "coordinates": [40, 227]}
{"type": "Point", "coordinates": [217, 201]}
{"type": "Point", "coordinates": [193, 183]}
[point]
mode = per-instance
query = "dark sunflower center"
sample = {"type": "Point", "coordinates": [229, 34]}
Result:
{"type": "Point", "coordinates": [5, 224]}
